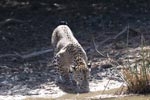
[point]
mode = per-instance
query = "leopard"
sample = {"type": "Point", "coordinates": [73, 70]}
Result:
{"type": "Point", "coordinates": [71, 58]}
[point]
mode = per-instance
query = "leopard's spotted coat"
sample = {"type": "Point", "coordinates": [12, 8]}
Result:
{"type": "Point", "coordinates": [70, 56]}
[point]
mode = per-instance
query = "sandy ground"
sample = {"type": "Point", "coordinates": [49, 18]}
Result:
{"type": "Point", "coordinates": [55, 92]}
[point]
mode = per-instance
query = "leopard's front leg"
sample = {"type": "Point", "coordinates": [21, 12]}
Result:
{"type": "Point", "coordinates": [62, 71]}
{"type": "Point", "coordinates": [65, 76]}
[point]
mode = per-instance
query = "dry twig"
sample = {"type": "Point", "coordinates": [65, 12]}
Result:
{"type": "Point", "coordinates": [104, 41]}
{"type": "Point", "coordinates": [10, 20]}
{"type": "Point", "coordinates": [120, 33]}
{"type": "Point", "coordinates": [126, 30]}
{"type": "Point", "coordinates": [97, 49]}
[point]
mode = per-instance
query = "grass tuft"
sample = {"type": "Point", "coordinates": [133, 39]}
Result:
{"type": "Point", "coordinates": [137, 78]}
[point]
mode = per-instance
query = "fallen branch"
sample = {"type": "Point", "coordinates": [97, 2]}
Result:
{"type": "Point", "coordinates": [30, 55]}
{"type": "Point", "coordinates": [104, 41]}
{"type": "Point", "coordinates": [126, 30]}
{"type": "Point", "coordinates": [120, 33]}
{"type": "Point", "coordinates": [10, 20]}
{"type": "Point", "coordinates": [8, 55]}
{"type": "Point", "coordinates": [34, 54]}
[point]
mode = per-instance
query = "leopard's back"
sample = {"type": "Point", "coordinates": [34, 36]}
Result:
{"type": "Point", "coordinates": [76, 51]}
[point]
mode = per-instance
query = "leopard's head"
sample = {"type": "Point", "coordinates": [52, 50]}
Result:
{"type": "Point", "coordinates": [82, 74]}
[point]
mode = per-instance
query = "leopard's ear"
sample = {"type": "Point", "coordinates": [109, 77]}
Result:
{"type": "Point", "coordinates": [89, 64]}
{"type": "Point", "coordinates": [62, 22]}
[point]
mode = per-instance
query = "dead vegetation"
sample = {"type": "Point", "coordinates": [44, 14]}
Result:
{"type": "Point", "coordinates": [137, 77]}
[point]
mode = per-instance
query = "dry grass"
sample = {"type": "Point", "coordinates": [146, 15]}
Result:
{"type": "Point", "coordinates": [137, 78]}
